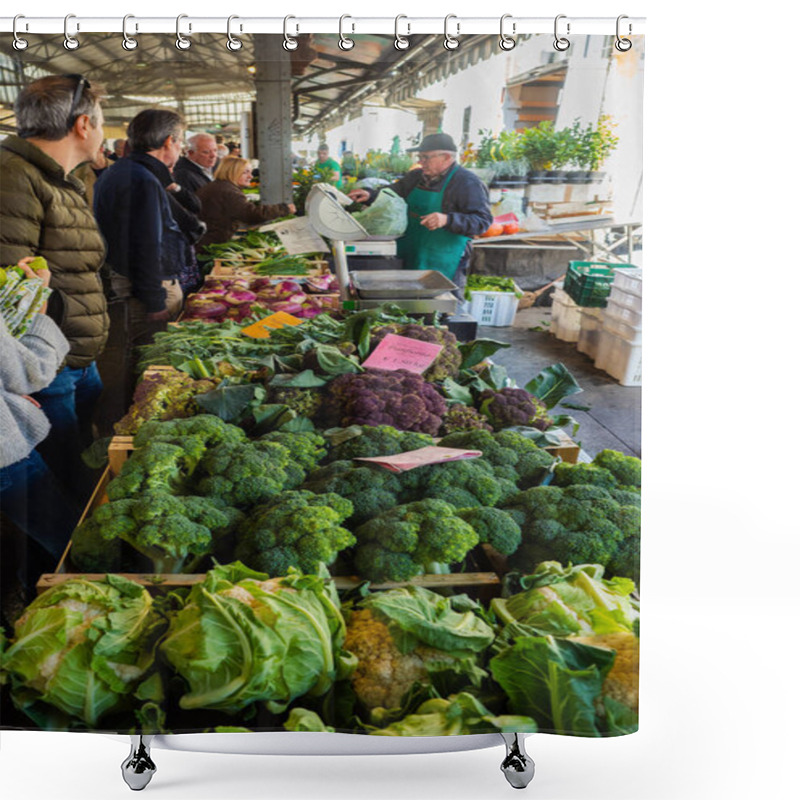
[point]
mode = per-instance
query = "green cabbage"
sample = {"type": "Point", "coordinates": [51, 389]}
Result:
{"type": "Point", "coordinates": [81, 648]}
{"type": "Point", "coordinates": [243, 637]}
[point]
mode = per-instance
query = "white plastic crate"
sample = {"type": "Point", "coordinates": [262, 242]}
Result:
{"type": "Point", "coordinates": [620, 358]}
{"type": "Point", "coordinates": [591, 328]}
{"type": "Point", "coordinates": [630, 316]}
{"type": "Point", "coordinates": [565, 323]}
{"type": "Point", "coordinates": [631, 333]}
{"type": "Point", "coordinates": [629, 280]}
{"type": "Point", "coordinates": [493, 308]}
{"type": "Point", "coordinates": [625, 299]}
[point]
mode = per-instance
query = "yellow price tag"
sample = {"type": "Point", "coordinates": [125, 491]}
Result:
{"type": "Point", "coordinates": [261, 329]}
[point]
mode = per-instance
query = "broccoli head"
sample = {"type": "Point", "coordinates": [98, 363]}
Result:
{"type": "Point", "coordinates": [398, 398]}
{"type": "Point", "coordinates": [589, 474]}
{"type": "Point", "coordinates": [298, 529]}
{"type": "Point", "coordinates": [409, 539]}
{"type": "Point", "coordinates": [308, 448]}
{"type": "Point", "coordinates": [380, 440]}
{"type": "Point", "coordinates": [509, 407]}
{"type": "Point", "coordinates": [174, 533]}
{"type": "Point", "coordinates": [626, 469]}
{"type": "Point", "coordinates": [162, 395]}
{"type": "Point", "coordinates": [371, 489]}
{"type": "Point", "coordinates": [463, 418]}
{"type": "Point", "coordinates": [211, 430]}
{"type": "Point", "coordinates": [156, 467]}
{"type": "Point", "coordinates": [463, 484]}
{"type": "Point", "coordinates": [579, 524]}
{"type": "Point", "coordinates": [247, 474]}
{"type": "Point", "coordinates": [494, 527]}
{"type": "Point", "coordinates": [446, 364]}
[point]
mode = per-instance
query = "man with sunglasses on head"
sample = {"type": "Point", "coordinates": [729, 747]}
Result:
{"type": "Point", "coordinates": [447, 206]}
{"type": "Point", "coordinates": [44, 212]}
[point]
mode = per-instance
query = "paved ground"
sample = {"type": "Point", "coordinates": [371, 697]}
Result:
{"type": "Point", "coordinates": [614, 416]}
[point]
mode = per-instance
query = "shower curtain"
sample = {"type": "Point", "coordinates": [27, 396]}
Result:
{"type": "Point", "coordinates": [246, 561]}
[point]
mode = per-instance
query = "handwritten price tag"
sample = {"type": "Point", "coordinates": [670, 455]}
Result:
{"type": "Point", "coordinates": [402, 462]}
{"type": "Point", "coordinates": [261, 329]}
{"type": "Point", "coordinates": [400, 352]}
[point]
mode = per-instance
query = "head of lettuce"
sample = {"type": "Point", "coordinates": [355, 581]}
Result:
{"type": "Point", "coordinates": [244, 637]}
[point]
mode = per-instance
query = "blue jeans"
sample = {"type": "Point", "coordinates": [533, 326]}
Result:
{"type": "Point", "coordinates": [69, 403]}
{"type": "Point", "coordinates": [32, 499]}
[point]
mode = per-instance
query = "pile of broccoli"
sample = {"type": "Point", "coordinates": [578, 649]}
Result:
{"type": "Point", "coordinates": [398, 398]}
{"type": "Point", "coordinates": [609, 469]}
{"type": "Point", "coordinates": [448, 361]}
{"type": "Point", "coordinates": [412, 539]}
{"type": "Point", "coordinates": [299, 529]}
{"type": "Point", "coordinates": [578, 524]}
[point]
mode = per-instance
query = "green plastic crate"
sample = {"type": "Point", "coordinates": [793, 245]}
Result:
{"type": "Point", "coordinates": [588, 283]}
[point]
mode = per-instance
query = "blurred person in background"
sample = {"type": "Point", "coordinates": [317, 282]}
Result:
{"type": "Point", "coordinates": [225, 206]}
{"type": "Point", "coordinates": [89, 172]}
{"type": "Point", "coordinates": [324, 161]}
{"type": "Point", "coordinates": [146, 247]}
{"type": "Point", "coordinates": [31, 496]}
{"type": "Point", "coordinates": [43, 212]}
{"type": "Point", "coordinates": [196, 168]}
{"type": "Point", "coordinates": [119, 149]}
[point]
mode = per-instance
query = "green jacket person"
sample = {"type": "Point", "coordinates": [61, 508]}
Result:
{"type": "Point", "coordinates": [447, 206]}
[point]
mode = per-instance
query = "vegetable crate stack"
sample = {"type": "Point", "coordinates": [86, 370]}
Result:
{"type": "Point", "coordinates": [619, 350]}
{"type": "Point", "coordinates": [566, 316]}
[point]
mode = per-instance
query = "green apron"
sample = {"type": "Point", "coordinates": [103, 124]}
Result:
{"type": "Point", "coordinates": [423, 249]}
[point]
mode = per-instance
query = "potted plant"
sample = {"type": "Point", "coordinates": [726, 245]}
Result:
{"type": "Point", "coordinates": [538, 147]}
{"type": "Point", "coordinates": [596, 144]}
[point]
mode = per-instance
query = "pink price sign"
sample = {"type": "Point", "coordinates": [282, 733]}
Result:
{"type": "Point", "coordinates": [400, 352]}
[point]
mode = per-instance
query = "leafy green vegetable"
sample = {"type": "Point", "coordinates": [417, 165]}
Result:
{"type": "Point", "coordinates": [81, 649]}
{"type": "Point", "coordinates": [490, 283]}
{"type": "Point", "coordinates": [243, 637]}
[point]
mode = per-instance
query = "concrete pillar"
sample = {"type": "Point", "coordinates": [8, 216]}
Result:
{"type": "Point", "coordinates": [273, 83]}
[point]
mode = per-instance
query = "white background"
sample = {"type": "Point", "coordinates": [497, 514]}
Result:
{"type": "Point", "coordinates": [719, 695]}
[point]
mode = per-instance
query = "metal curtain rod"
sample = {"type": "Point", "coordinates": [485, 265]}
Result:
{"type": "Point", "coordinates": [303, 25]}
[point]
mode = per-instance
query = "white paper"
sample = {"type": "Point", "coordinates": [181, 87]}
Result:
{"type": "Point", "coordinates": [297, 236]}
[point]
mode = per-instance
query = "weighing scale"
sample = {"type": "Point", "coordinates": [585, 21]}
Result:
{"type": "Point", "coordinates": [415, 291]}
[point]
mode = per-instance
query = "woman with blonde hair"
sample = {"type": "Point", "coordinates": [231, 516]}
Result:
{"type": "Point", "coordinates": [225, 208]}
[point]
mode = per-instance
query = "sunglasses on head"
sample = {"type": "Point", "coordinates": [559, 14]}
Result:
{"type": "Point", "coordinates": [82, 83]}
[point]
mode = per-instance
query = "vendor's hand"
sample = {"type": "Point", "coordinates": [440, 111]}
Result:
{"type": "Point", "coordinates": [292, 208]}
{"type": "Point", "coordinates": [434, 221]}
{"type": "Point", "coordinates": [359, 195]}
{"type": "Point", "coordinates": [158, 316]}
{"type": "Point", "coordinates": [42, 274]}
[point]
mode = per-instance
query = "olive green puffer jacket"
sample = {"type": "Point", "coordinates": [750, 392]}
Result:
{"type": "Point", "coordinates": [44, 213]}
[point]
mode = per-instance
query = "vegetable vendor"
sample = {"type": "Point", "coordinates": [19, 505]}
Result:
{"type": "Point", "coordinates": [447, 206]}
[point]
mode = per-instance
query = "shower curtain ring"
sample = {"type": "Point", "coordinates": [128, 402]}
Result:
{"type": "Point", "coordinates": [19, 43]}
{"type": "Point", "coordinates": [451, 42]}
{"type": "Point", "coordinates": [344, 42]}
{"type": "Point", "coordinates": [401, 42]}
{"type": "Point", "coordinates": [129, 42]}
{"type": "Point", "coordinates": [623, 44]}
{"type": "Point", "coordinates": [70, 42]}
{"type": "Point", "coordinates": [233, 44]}
{"type": "Point", "coordinates": [288, 42]}
{"type": "Point", "coordinates": [561, 43]}
{"type": "Point", "coordinates": [507, 42]}
{"type": "Point", "coordinates": [181, 42]}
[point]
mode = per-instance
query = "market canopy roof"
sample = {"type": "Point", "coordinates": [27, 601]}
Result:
{"type": "Point", "coordinates": [212, 85]}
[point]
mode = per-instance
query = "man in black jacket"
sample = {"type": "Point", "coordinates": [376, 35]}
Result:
{"type": "Point", "coordinates": [194, 170]}
{"type": "Point", "coordinates": [447, 206]}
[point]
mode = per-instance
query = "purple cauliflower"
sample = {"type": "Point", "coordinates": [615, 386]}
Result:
{"type": "Point", "coordinates": [463, 418]}
{"type": "Point", "coordinates": [448, 361]}
{"type": "Point", "coordinates": [398, 398]}
{"type": "Point", "coordinates": [509, 407]}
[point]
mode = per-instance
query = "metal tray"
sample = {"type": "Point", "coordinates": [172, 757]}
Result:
{"type": "Point", "coordinates": [407, 284]}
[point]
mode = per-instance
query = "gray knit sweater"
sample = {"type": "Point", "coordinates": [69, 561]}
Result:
{"type": "Point", "coordinates": [27, 365]}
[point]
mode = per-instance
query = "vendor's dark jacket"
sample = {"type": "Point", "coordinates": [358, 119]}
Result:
{"type": "Point", "coordinates": [134, 213]}
{"type": "Point", "coordinates": [225, 208]}
{"type": "Point", "coordinates": [465, 200]}
{"type": "Point", "coordinates": [44, 212]}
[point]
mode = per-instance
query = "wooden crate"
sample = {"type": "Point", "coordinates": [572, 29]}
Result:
{"type": "Point", "coordinates": [119, 449]}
